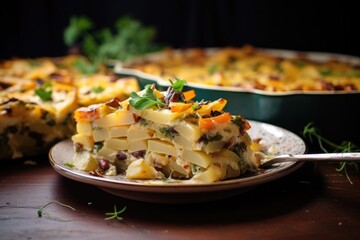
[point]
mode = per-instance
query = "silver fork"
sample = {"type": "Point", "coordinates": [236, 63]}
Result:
{"type": "Point", "coordinates": [318, 157]}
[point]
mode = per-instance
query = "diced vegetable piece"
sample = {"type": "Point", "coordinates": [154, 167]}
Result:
{"type": "Point", "coordinates": [176, 167]}
{"type": "Point", "coordinates": [188, 95]}
{"type": "Point", "coordinates": [117, 144]}
{"type": "Point", "coordinates": [140, 169]}
{"type": "Point", "coordinates": [179, 106]}
{"type": "Point", "coordinates": [211, 174]}
{"type": "Point", "coordinates": [217, 105]}
{"type": "Point", "coordinates": [138, 145]}
{"type": "Point", "coordinates": [138, 132]}
{"type": "Point", "coordinates": [159, 146]}
{"type": "Point", "coordinates": [84, 140]}
{"type": "Point", "coordinates": [183, 142]}
{"type": "Point", "coordinates": [208, 123]}
{"type": "Point", "coordinates": [121, 131]}
{"type": "Point", "coordinates": [228, 157]}
{"type": "Point", "coordinates": [84, 161]}
{"type": "Point", "coordinates": [197, 157]}
{"type": "Point", "coordinates": [164, 116]}
{"type": "Point", "coordinates": [108, 153]}
{"type": "Point", "coordinates": [190, 131]}
{"type": "Point", "coordinates": [84, 127]}
{"type": "Point", "coordinates": [118, 118]}
{"type": "Point", "coordinates": [100, 134]}
{"type": "Point", "coordinates": [213, 146]}
{"type": "Point", "coordinates": [92, 112]}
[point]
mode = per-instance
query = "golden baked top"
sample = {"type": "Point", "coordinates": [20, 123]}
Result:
{"type": "Point", "coordinates": [252, 68]}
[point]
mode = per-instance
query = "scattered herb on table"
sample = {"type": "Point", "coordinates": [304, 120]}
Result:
{"type": "Point", "coordinates": [310, 131]}
{"type": "Point", "coordinates": [41, 210]}
{"type": "Point", "coordinates": [115, 214]}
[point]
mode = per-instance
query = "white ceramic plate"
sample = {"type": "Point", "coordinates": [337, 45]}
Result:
{"type": "Point", "coordinates": [282, 140]}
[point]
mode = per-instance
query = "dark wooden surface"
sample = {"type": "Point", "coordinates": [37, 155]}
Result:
{"type": "Point", "coordinates": [315, 202]}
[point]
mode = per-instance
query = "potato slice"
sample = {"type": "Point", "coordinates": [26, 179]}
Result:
{"type": "Point", "coordinates": [121, 131]}
{"type": "Point", "coordinates": [140, 169]}
{"type": "Point", "coordinates": [139, 145]}
{"type": "Point", "coordinates": [190, 131]}
{"type": "Point", "coordinates": [159, 146]}
{"type": "Point", "coordinates": [211, 174]}
{"type": "Point", "coordinates": [197, 157]}
{"type": "Point", "coordinates": [117, 144]}
{"type": "Point", "coordinates": [118, 118]}
{"type": "Point", "coordinates": [84, 127]}
{"type": "Point", "coordinates": [164, 116]}
{"type": "Point", "coordinates": [100, 134]}
{"type": "Point", "coordinates": [86, 141]}
{"type": "Point", "coordinates": [85, 161]}
{"type": "Point", "coordinates": [138, 132]}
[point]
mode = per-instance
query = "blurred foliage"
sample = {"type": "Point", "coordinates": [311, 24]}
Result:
{"type": "Point", "coordinates": [127, 39]}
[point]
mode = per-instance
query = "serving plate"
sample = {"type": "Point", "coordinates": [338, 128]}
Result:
{"type": "Point", "coordinates": [331, 111]}
{"type": "Point", "coordinates": [279, 139]}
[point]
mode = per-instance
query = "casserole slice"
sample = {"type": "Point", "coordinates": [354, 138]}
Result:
{"type": "Point", "coordinates": [162, 135]}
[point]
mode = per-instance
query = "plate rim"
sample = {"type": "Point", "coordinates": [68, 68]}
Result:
{"type": "Point", "coordinates": [145, 186]}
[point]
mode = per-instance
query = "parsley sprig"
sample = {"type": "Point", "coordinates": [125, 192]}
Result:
{"type": "Point", "coordinates": [178, 85]}
{"type": "Point", "coordinates": [147, 100]}
{"type": "Point", "coordinates": [311, 132]}
{"type": "Point", "coordinates": [45, 92]}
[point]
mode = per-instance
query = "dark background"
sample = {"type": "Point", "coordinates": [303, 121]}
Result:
{"type": "Point", "coordinates": [35, 28]}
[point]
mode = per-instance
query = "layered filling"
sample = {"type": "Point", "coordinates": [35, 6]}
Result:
{"type": "Point", "coordinates": [162, 135]}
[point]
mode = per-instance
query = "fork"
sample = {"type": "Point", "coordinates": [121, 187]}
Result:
{"type": "Point", "coordinates": [317, 157]}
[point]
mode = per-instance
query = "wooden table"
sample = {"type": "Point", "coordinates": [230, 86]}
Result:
{"type": "Point", "coordinates": [314, 202]}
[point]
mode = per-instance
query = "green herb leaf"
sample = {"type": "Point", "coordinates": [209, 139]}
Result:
{"type": "Point", "coordinates": [98, 89]}
{"type": "Point", "coordinates": [213, 69]}
{"type": "Point", "coordinates": [147, 100]}
{"type": "Point", "coordinates": [44, 92]}
{"type": "Point", "coordinates": [168, 132]}
{"type": "Point", "coordinates": [178, 85]}
{"type": "Point", "coordinates": [69, 164]}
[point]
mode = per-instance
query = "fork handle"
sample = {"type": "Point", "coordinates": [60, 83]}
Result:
{"type": "Point", "coordinates": [317, 157]}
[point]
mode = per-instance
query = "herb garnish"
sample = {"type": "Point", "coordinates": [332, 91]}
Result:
{"type": "Point", "coordinates": [41, 210]}
{"type": "Point", "coordinates": [168, 132]}
{"type": "Point", "coordinates": [311, 131]}
{"type": "Point", "coordinates": [115, 214]}
{"type": "Point", "coordinates": [178, 85]}
{"type": "Point", "coordinates": [45, 92]}
{"type": "Point", "coordinates": [147, 100]}
{"type": "Point", "coordinates": [98, 89]}
{"type": "Point", "coordinates": [69, 164]}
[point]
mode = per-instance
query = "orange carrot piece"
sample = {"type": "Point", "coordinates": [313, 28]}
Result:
{"type": "Point", "coordinates": [208, 123]}
{"type": "Point", "coordinates": [223, 118]}
{"type": "Point", "coordinates": [188, 95]}
{"type": "Point", "coordinates": [180, 107]}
